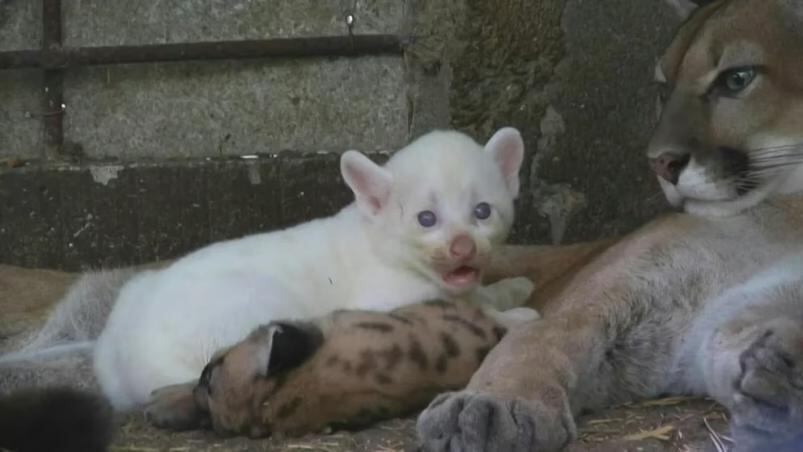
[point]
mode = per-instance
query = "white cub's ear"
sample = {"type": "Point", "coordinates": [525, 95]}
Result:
{"type": "Point", "coordinates": [370, 182]}
{"type": "Point", "coordinates": [507, 148]}
{"type": "Point", "coordinates": [684, 8]}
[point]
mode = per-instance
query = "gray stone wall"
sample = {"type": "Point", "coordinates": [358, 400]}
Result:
{"type": "Point", "coordinates": [575, 77]}
{"type": "Point", "coordinates": [152, 168]}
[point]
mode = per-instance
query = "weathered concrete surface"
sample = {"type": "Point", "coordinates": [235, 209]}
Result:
{"type": "Point", "coordinates": [574, 76]}
{"type": "Point", "coordinates": [108, 23]}
{"type": "Point", "coordinates": [20, 24]}
{"type": "Point", "coordinates": [156, 111]}
{"type": "Point", "coordinates": [20, 114]}
{"type": "Point", "coordinates": [606, 100]}
{"type": "Point", "coordinates": [20, 101]}
{"type": "Point", "coordinates": [434, 26]}
{"type": "Point", "coordinates": [75, 217]}
{"type": "Point", "coordinates": [136, 112]}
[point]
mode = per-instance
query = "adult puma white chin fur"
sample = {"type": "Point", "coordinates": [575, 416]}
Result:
{"type": "Point", "coordinates": [421, 227]}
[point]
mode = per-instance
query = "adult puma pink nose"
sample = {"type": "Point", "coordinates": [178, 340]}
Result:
{"type": "Point", "coordinates": [462, 247]}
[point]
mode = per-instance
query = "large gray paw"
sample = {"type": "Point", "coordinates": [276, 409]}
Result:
{"type": "Point", "coordinates": [767, 408]}
{"type": "Point", "coordinates": [477, 422]}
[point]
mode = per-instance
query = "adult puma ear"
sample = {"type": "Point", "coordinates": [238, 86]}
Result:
{"type": "Point", "coordinates": [370, 182]}
{"type": "Point", "coordinates": [507, 148]}
{"type": "Point", "coordinates": [684, 8]}
{"type": "Point", "coordinates": [284, 346]}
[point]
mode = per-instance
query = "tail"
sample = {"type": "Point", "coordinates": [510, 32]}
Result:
{"type": "Point", "coordinates": [59, 352]}
{"type": "Point", "coordinates": [80, 315]}
{"type": "Point", "coordinates": [55, 419]}
{"type": "Point", "coordinates": [46, 353]}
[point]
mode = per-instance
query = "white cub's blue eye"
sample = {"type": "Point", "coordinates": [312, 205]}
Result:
{"type": "Point", "coordinates": [482, 211]}
{"type": "Point", "coordinates": [427, 218]}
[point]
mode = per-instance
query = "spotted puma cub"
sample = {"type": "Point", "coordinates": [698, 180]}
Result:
{"type": "Point", "coordinates": [347, 369]}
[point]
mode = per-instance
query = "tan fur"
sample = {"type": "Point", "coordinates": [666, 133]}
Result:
{"type": "Point", "coordinates": [549, 267]}
{"type": "Point", "coordinates": [662, 311]}
{"type": "Point", "coordinates": [27, 294]}
{"type": "Point", "coordinates": [369, 366]}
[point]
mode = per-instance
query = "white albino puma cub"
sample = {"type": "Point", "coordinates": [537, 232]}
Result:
{"type": "Point", "coordinates": [421, 227]}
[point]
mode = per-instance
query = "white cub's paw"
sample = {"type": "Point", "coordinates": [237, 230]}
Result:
{"type": "Point", "coordinates": [504, 294]}
{"type": "Point", "coordinates": [519, 289]}
{"type": "Point", "coordinates": [522, 314]}
{"type": "Point", "coordinates": [513, 317]}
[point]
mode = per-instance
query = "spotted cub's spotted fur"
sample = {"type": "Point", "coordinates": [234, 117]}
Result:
{"type": "Point", "coordinates": [347, 369]}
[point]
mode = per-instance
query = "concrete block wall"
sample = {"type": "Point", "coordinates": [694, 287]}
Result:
{"type": "Point", "coordinates": [152, 168]}
{"type": "Point", "coordinates": [192, 110]}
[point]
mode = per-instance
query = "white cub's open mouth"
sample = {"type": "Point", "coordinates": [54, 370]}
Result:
{"type": "Point", "coordinates": [462, 277]}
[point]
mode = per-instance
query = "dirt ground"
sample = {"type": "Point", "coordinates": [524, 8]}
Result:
{"type": "Point", "coordinates": [674, 424]}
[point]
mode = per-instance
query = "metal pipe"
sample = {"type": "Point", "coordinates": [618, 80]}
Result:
{"type": "Point", "coordinates": [53, 82]}
{"type": "Point", "coordinates": [51, 24]}
{"type": "Point", "coordinates": [328, 46]}
{"type": "Point", "coordinates": [21, 59]}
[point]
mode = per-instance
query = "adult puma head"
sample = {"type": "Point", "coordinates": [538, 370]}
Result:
{"type": "Point", "coordinates": [731, 114]}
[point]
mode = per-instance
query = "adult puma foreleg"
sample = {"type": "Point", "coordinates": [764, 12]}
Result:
{"type": "Point", "coordinates": [608, 340]}
{"type": "Point", "coordinates": [548, 267]}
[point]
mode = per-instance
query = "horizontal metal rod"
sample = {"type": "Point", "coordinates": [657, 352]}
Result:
{"type": "Point", "coordinates": [324, 46]}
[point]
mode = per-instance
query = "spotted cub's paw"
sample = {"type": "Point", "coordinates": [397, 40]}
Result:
{"type": "Point", "coordinates": [469, 421]}
{"type": "Point", "coordinates": [767, 406]}
{"type": "Point", "coordinates": [174, 408]}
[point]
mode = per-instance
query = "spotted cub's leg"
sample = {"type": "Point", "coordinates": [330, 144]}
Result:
{"type": "Point", "coordinates": [174, 407]}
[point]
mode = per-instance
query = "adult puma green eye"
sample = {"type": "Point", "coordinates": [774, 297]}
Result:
{"type": "Point", "coordinates": [733, 81]}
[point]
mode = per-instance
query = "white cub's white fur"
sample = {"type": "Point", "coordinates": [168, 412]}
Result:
{"type": "Point", "coordinates": [421, 227]}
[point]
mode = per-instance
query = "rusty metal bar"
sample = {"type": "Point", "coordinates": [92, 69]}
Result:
{"type": "Point", "coordinates": [51, 24]}
{"type": "Point", "coordinates": [21, 59]}
{"type": "Point", "coordinates": [53, 79]}
{"type": "Point", "coordinates": [328, 46]}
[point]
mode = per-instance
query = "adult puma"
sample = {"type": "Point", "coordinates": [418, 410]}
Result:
{"type": "Point", "coordinates": [706, 302]}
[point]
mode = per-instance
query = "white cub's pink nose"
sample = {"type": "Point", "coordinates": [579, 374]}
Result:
{"type": "Point", "coordinates": [462, 247]}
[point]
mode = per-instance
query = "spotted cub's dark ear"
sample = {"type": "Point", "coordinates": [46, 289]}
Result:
{"type": "Point", "coordinates": [285, 346]}
{"type": "Point", "coordinates": [684, 8]}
